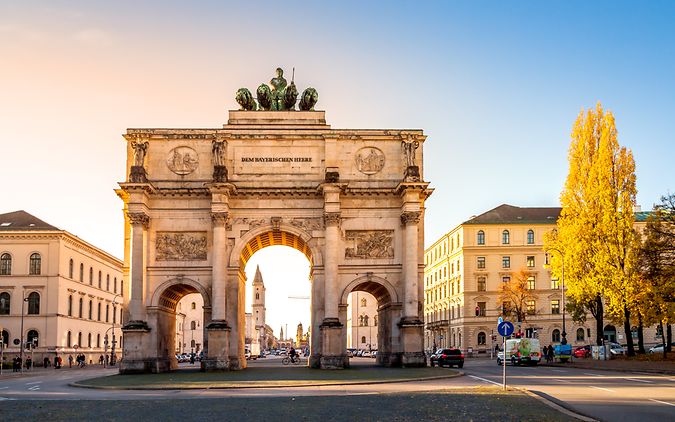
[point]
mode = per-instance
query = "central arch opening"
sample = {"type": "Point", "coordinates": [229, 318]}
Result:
{"type": "Point", "coordinates": [277, 270]}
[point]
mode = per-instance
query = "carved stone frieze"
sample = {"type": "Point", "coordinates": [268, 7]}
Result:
{"type": "Point", "coordinates": [410, 217]}
{"type": "Point", "coordinates": [276, 223]}
{"type": "Point", "coordinates": [331, 219]}
{"type": "Point", "coordinates": [307, 224]}
{"type": "Point", "coordinates": [180, 246]}
{"type": "Point", "coordinates": [369, 160]}
{"type": "Point", "coordinates": [369, 244]}
{"type": "Point", "coordinates": [252, 222]}
{"type": "Point", "coordinates": [182, 160]}
{"type": "Point", "coordinates": [138, 218]}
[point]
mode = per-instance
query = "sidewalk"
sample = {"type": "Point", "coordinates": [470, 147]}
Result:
{"type": "Point", "coordinates": [8, 373]}
{"type": "Point", "coordinates": [621, 364]}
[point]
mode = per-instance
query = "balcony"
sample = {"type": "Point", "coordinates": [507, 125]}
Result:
{"type": "Point", "coordinates": [437, 324]}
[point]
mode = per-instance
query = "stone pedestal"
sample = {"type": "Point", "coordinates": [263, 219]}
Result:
{"type": "Point", "coordinates": [412, 343]}
{"type": "Point", "coordinates": [138, 353]}
{"type": "Point", "coordinates": [333, 355]}
{"type": "Point", "coordinates": [216, 358]}
{"type": "Point", "coordinates": [138, 175]}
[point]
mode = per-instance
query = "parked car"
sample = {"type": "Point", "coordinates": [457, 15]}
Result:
{"type": "Point", "coordinates": [615, 349]}
{"type": "Point", "coordinates": [521, 351]}
{"type": "Point", "coordinates": [447, 357]}
{"type": "Point", "coordinates": [582, 351]}
{"type": "Point", "coordinates": [659, 348]}
{"type": "Point", "coordinates": [350, 354]}
{"type": "Point", "coordinates": [373, 354]}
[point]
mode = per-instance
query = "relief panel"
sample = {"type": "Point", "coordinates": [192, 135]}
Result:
{"type": "Point", "coordinates": [180, 246]}
{"type": "Point", "coordinates": [369, 244]}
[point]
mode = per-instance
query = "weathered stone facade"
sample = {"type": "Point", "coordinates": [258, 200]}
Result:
{"type": "Point", "coordinates": [351, 200]}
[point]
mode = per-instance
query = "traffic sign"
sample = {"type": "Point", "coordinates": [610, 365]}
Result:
{"type": "Point", "coordinates": [505, 328]}
{"type": "Point", "coordinates": [500, 320]}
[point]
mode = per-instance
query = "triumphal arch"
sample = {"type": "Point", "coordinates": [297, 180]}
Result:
{"type": "Point", "coordinates": [198, 203]}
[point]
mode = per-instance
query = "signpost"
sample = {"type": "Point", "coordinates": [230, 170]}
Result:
{"type": "Point", "coordinates": [505, 329]}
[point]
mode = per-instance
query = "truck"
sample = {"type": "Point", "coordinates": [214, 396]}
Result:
{"type": "Point", "coordinates": [521, 351]}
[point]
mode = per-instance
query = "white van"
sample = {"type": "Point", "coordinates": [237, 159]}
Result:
{"type": "Point", "coordinates": [521, 351]}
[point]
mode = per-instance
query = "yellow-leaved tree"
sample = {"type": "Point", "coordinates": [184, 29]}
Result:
{"type": "Point", "coordinates": [595, 233]}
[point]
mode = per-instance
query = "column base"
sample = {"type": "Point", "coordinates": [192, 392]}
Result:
{"type": "Point", "coordinates": [412, 343]}
{"type": "Point", "coordinates": [333, 355]}
{"type": "Point", "coordinates": [216, 358]}
{"type": "Point", "coordinates": [137, 344]}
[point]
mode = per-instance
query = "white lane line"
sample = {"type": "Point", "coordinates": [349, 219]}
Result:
{"type": "Point", "coordinates": [6, 398]}
{"type": "Point", "coordinates": [34, 388]}
{"type": "Point", "coordinates": [662, 402]}
{"type": "Point", "coordinates": [3, 388]}
{"type": "Point", "coordinates": [603, 389]}
{"type": "Point", "coordinates": [34, 382]}
{"type": "Point", "coordinates": [561, 380]}
{"type": "Point", "coordinates": [558, 370]}
{"type": "Point", "coordinates": [593, 375]}
{"type": "Point", "coordinates": [639, 380]}
{"type": "Point", "coordinates": [485, 380]}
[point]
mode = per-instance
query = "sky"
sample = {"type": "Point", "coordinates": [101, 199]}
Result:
{"type": "Point", "coordinates": [495, 85]}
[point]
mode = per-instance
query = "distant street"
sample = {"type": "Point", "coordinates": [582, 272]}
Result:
{"type": "Point", "coordinates": [602, 395]}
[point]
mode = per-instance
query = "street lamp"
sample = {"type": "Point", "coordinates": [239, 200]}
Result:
{"type": "Point", "coordinates": [563, 340]}
{"type": "Point", "coordinates": [25, 299]}
{"type": "Point", "coordinates": [113, 359]}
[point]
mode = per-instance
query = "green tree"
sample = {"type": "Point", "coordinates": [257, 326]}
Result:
{"type": "Point", "coordinates": [595, 229]}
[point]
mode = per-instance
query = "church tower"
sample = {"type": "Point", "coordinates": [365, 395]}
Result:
{"type": "Point", "coordinates": [258, 307]}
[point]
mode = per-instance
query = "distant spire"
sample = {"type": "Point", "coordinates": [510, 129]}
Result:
{"type": "Point", "coordinates": [258, 279]}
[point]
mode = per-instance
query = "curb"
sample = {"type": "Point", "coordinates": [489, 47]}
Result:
{"type": "Point", "coordinates": [560, 408]}
{"type": "Point", "coordinates": [280, 385]}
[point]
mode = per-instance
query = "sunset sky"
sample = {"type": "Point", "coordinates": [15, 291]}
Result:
{"type": "Point", "coordinates": [496, 87]}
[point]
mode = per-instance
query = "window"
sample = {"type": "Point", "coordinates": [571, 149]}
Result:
{"type": "Point", "coordinates": [193, 325]}
{"type": "Point", "coordinates": [122, 287]}
{"type": "Point", "coordinates": [192, 344]}
{"type": "Point", "coordinates": [555, 308]}
{"type": "Point", "coordinates": [79, 339]}
{"type": "Point", "coordinates": [580, 334]}
{"type": "Point", "coordinates": [555, 336]}
{"type": "Point", "coordinates": [506, 279]}
{"type": "Point", "coordinates": [363, 339]}
{"type": "Point", "coordinates": [71, 266]}
{"type": "Point", "coordinates": [364, 303]}
{"type": "Point", "coordinates": [481, 284]}
{"type": "Point", "coordinates": [114, 314]}
{"type": "Point", "coordinates": [107, 313]}
{"type": "Point", "coordinates": [4, 303]}
{"type": "Point", "coordinates": [115, 285]}
{"type": "Point", "coordinates": [107, 282]}
{"type": "Point", "coordinates": [481, 237]}
{"type": "Point", "coordinates": [531, 307]}
{"type": "Point", "coordinates": [555, 284]}
{"type": "Point", "coordinates": [89, 340]}
{"type": "Point", "coordinates": [506, 308]}
{"type": "Point", "coordinates": [80, 310]}
{"type": "Point", "coordinates": [91, 310]}
{"type": "Point", "coordinates": [546, 259]}
{"type": "Point", "coordinates": [480, 262]}
{"type": "Point", "coordinates": [91, 276]}
{"type": "Point", "coordinates": [506, 262]}
{"type": "Point", "coordinates": [34, 303]}
{"type": "Point", "coordinates": [365, 320]}
{"type": "Point", "coordinates": [531, 283]}
{"type": "Point", "coordinates": [70, 305]}
{"type": "Point", "coordinates": [5, 338]}
{"type": "Point", "coordinates": [480, 309]}
{"type": "Point", "coordinates": [530, 237]}
{"type": "Point", "coordinates": [506, 238]}
{"type": "Point", "coordinates": [99, 279]}
{"type": "Point", "coordinates": [81, 273]}
{"type": "Point", "coordinates": [35, 267]}
{"type": "Point", "coordinates": [530, 262]}
{"type": "Point", "coordinates": [98, 340]}
{"type": "Point", "coordinates": [194, 305]}
{"type": "Point", "coordinates": [69, 339]}
{"type": "Point", "coordinates": [5, 264]}
{"type": "Point", "coordinates": [98, 312]}
{"type": "Point", "coordinates": [482, 341]}
{"type": "Point", "coordinates": [375, 320]}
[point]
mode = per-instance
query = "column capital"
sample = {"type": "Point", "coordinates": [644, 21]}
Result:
{"type": "Point", "coordinates": [138, 218]}
{"type": "Point", "coordinates": [331, 218]}
{"type": "Point", "coordinates": [219, 218]}
{"type": "Point", "coordinates": [410, 217]}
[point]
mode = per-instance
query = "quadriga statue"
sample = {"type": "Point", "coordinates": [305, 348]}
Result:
{"type": "Point", "coordinates": [309, 98]}
{"type": "Point", "coordinates": [245, 99]}
{"type": "Point", "coordinates": [264, 97]}
{"type": "Point", "coordinates": [290, 96]}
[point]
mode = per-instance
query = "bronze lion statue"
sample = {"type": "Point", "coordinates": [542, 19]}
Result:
{"type": "Point", "coordinates": [290, 96]}
{"type": "Point", "coordinates": [264, 97]}
{"type": "Point", "coordinates": [309, 97]}
{"type": "Point", "coordinates": [245, 99]}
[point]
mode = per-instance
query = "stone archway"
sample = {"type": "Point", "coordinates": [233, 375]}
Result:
{"type": "Point", "coordinates": [199, 202]}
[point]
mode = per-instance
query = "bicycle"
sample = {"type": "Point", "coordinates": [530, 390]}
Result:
{"type": "Point", "coordinates": [295, 360]}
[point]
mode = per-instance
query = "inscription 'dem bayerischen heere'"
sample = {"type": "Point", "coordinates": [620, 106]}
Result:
{"type": "Point", "coordinates": [276, 159]}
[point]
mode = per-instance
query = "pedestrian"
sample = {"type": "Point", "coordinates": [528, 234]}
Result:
{"type": "Point", "coordinates": [56, 362]}
{"type": "Point", "coordinates": [45, 362]}
{"type": "Point", "coordinates": [551, 353]}
{"type": "Point", "coordinates": [29, 363]}
{"type": "Point", "coordinates": [107, 360]}
{"type": "Point", "coordinates": [15, 364]}
{"type": "Point", "coordinates": [100, 360]}
{"type": "Point", "coordinates": [60, 362]}
{"type": "Point", "coordinates": [192, 358]}
{"type": "Point", "coordinates": [544, 353]}
{"type": "Point", "coordinates": [70, 361]}
{"type": "Point", "coordinates": [19, 362]}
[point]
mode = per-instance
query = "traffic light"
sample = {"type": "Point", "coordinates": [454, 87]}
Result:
{"type": "Point", "coordinates": [477, 310]}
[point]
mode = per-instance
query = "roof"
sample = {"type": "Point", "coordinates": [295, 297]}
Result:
{"type": "Point", "coordinates": [642, 216]}
{"type": "Point", "coordinates": [21, 220]}
{"type": "Point", "coordinates": [509, 214]}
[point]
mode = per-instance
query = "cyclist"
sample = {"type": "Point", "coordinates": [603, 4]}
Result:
{"type": "Point", "coordinates": [293, 355]}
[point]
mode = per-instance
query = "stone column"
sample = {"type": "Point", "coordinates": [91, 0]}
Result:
{"type": "Point", "coordinates": [219, 266]}
{"type": "Point", "coordinates": [139, 222]}
{"type": "Point", "coordinates": [330, 259]}
{"type": "Point", "coordinates": [410, 219]}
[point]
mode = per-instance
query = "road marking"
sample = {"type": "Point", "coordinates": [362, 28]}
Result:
{"type": "Point", "coordinates": [3, 388]}
{"type": "Point", "coordinates": [6, 398]}
{"type": "Point", "coordinates": [34, 382]}
{"type": "Point", "coordinates": [34, 388]}
{"type": "Point", "coordinates": [561, 380]}
{"type": "Point", "coordinates": [639, 380]}
{"type": "Point", "coordinates": [603, 389]}
{"type": "Point", "coordinates": [662, 402]}
{"type": "Point", "coordinates": [485, 380]}
{"type": "Point", "coordinates": [593, 375]}
{"type": "Point", "coordinates": [558, 370]}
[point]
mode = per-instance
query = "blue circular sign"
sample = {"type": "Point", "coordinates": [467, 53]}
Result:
{"type": "Point", "coordinates": [505, 328]}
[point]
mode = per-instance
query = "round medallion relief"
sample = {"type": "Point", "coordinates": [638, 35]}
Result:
{"type": "Point", "coordinates": [369, 160]}
{"type": "Point", "coordinates": [182, 160]}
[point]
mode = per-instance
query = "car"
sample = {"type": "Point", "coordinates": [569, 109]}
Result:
{"type": "Point", "coordinates": [373, 354]}
{"type": "Point", "coordinates": [349, 354]}
{"type": "Point", "coordinates": [447, 357]}
{"type": "Point", "coordinates": [659, 348]}
{"type": "Point", "coordinates": [615, 349]}
{"type": "Point", "coordinates": [521, 351]}
{"type": "Point", "coordinates": [582, 351]}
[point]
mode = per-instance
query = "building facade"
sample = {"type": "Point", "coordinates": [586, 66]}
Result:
{"type": "Point", "coordinates": [362, 321]}
{"type": "Point", "coordinates": [466, 267]}
{"type": "Point", "coordinates": [71, 291]}
{"type": "Point", "coordinates": [190, 324]}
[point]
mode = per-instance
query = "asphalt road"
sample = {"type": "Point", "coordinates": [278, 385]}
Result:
{"type": "Point", "coordinates": [602, 395]}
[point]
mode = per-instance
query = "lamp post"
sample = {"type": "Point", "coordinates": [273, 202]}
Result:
{"type": "Point", "coordinates": [563, 340]}
{"type": "Point", "coordinates": [24, 300]}
{"type": "Point", "coordinates": [113, 359]}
